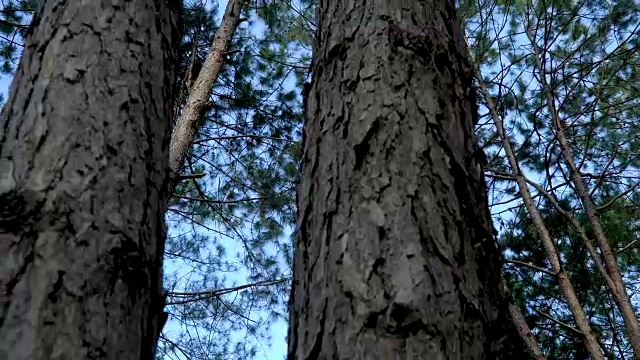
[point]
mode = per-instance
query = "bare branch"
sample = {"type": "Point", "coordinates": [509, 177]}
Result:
{"type": "Point", "coordinates": [203, 295]}
{"type": "Point", "coordinates": [530, 265]}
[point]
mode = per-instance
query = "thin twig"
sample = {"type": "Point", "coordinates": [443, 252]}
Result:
{"type": "Point", "coordinates": [203, 295]}
{"type": "Point", "coordinates": [530, 265]}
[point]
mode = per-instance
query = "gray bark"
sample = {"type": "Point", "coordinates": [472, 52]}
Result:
{"type": "Point", "coordinates": [83, 170]}
{"type": "Point", "coordinates": [395, 257]}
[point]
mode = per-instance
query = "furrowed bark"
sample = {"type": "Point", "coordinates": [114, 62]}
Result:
{"type": "Point", "coordinates": [614, 282]}
{"type": "Point", "coordinates": [83, 169]}
{"type": "Point", "coordinates": [196, 105]}
{"type": "Point", "coordinates": [395, 257]}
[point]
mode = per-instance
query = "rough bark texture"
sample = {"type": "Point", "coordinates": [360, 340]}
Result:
{"type": "Point", "coordinates": [197, 102]}
{"type": "Point", "coordinates": [395, 257]}
{"type": "Point", "coordinates": [83, 168]}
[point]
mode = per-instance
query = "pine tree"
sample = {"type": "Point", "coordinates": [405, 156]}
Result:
{"type": "Point", "coordinates": [591, 66]}
{"type": "Point", "coordinates": [240, 172]}
{"type": "Point", "coordinates": [82, 160]}
{"type": "Point", "coordinates": [255, 208]}
{"type": "Point", "coordinates": [239, 188]}
{"type": "Point", "coordinates": [394, 257]}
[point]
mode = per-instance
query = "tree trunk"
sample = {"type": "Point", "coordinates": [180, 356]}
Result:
{"type": "Point", "coordinates": [83, 169]}
{"type": "Point", "coordinates": [395, 257]}
{"type": "Point", "coordinates": [613, 277]}
{"type": "Point", "coordinates": [198, 100]}
{"type": "Point", "coordinates": [523, 328]}
{"type": "Point", "coordinates": [589, 338]}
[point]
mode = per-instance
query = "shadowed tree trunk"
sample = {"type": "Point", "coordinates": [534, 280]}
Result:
{"type": "Point", "coordinates": [83, 170]}
{"type": "Point", "coordinates": [395, 257]}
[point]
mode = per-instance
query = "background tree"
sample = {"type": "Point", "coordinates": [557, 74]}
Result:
{"type": "Point", "coordinates": [230, 258]}
{"type": "Point", "coordinates": [230, 253]}
{"type": "Point", "coordinates": [14, 22]}
{"type": "Point", "coordinates": [588, 54]}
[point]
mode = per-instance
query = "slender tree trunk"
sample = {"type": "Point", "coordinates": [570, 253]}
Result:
{"type": "Point", "coordinates": [395, 257]}
{"type": "Point", "coordinates": [525, 332]}
{"type": "Point", "coordinates": [615, 282]}
{"type": "Point", "coordinates": [198, 101]}
{"type": "Point", "coordinates": [514, 311]}
{"type": "Point", "coordinates": [83, 158]}
{"type": "Point", "coordinates": [523, 328]}
{"type": "Point", "coordinates": [589, 338]}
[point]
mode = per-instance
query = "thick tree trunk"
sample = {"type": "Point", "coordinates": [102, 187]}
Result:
{"type": "Point", "coordinates": [394, 258]}
{"type": "Point", "coordinates": [83, 168]}
{"type": "Point", "coordinates": [198, 100]}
